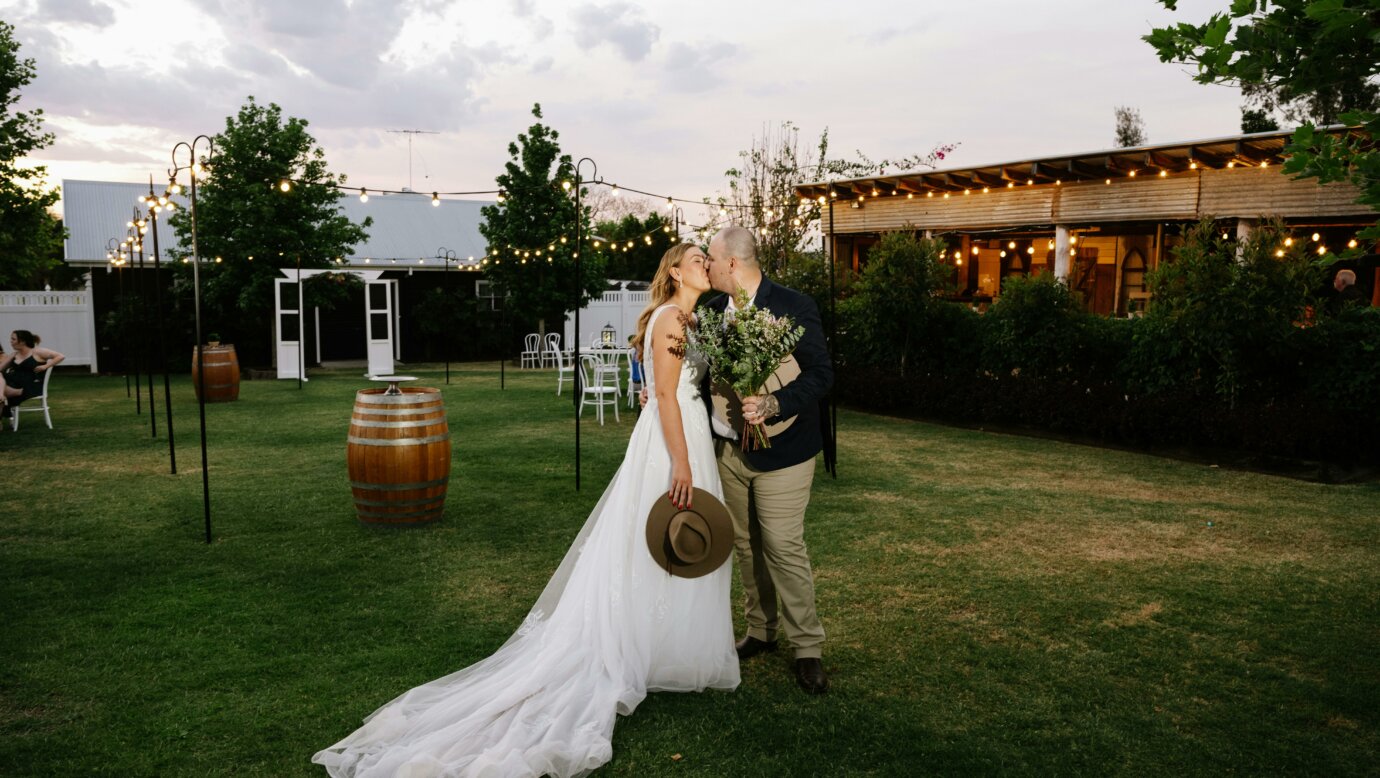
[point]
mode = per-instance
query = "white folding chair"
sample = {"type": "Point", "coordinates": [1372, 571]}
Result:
{"type": "Point", "coordinates": [595, 392]}
{"type": "Point", "coordinates": [564, 370]}
{"type": "Point", "coordinates": [41, 407]}
{"type": "Point", "coordinates": [531, 350]}
{"type": "Point", "coordinates": [553, 346]}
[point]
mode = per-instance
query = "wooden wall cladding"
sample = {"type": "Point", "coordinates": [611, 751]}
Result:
{"type": "Point", "coordinates": [1247, 192]}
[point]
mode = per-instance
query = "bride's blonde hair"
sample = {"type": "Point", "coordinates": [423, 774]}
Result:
{"type": "Point", "coordinates": [663, 288]}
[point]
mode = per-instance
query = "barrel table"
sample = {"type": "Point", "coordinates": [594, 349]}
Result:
{"type": "Point", "coordinates": [220, 374]}
{"type": "Point", "coordinates": [399, 455]}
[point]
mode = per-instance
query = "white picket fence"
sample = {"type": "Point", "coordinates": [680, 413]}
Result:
{"type": "Point", "coordinates": [66, 321]}
{"type": "Point", "coordinates": [618, 309]}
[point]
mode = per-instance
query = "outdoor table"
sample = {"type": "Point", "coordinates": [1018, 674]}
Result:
{"type": "Point", "coordinates": [392, 381]}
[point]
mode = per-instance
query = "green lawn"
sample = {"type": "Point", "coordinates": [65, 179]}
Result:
{"type": "Point", "coordinates": [994, 604]}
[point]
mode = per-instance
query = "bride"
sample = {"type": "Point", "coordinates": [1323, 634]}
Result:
{"type": "Point", "coordinates": [609, 627]}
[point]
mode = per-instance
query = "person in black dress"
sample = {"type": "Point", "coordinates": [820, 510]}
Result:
{"type": "Point", "coordinates": [25, 366]}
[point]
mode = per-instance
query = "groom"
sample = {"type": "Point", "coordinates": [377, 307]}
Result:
{"type": "Point", "coordinates": [767, 490]}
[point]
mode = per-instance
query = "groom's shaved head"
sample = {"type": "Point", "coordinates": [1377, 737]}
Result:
{"type": "Point", "coordinates": [737, 242]}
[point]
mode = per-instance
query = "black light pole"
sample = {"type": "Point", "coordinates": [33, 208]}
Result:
{"type": "Point", "coordinates": [155, 206]}
{"type": "Point", "coordinates": [194, 166]}
{"type": "Point", "coordinates": [447, 256]}
{"type": "Point", "coordinates": [115, 251]}
{"type": "Point", "coordinates": [131, 238]}
{"type": "Point", "coordinates": [833, 336]}
{"type": "Point", "coordinates": [579, 289]}
{"type": "Point", "coordinates": [140, 228]}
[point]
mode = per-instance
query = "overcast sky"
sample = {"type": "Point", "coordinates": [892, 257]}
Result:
{"type": "Point", "coordinates": [663, 95]}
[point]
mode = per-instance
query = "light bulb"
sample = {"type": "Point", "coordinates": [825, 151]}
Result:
{"type": "Point", "coordinates": [1322, 250]}
{"type": "Point", "coordinates": [910, 195]}
{"type": "Point", "coordinates": [1132, 174]}
{"type": "Point", "coordinates": [1351, 244]}
{"type": "Point", "coordinates": [363, 195]}
{"type": "Point", "coordinates": [1003, 252]}
{"type": "Point", "coordinates": [1030, 250]}
{"type": "Point", "coordinates": [1011, 245]}
{"type": "Point", "coordinates": [1316, 237]}
{"type": "Point", "coordinates": [435, 200]}
{"type": "Point", "coordinates": [669, 204]}
{"type": "Point", "coordinates": [284, 185]}
{"type": "Point", "coordinates": [1193, 166]}
{"type": "Point", "coordinates": [1288, 241]}
{"type": "Point", "coordinates": [1231, 164]}
{"type": "Point", "coordinates": [565, 185]}
{"type": "Point", "coordinates": [975, 251]}
{"type": "Point", "coordinates": [1108, 182]}
{"type": "Point", "coordinates": [615, 190]}
{"type": "Point", "coordinates": [1279, 252]}
{"type": "Point", "coordinates": [1163, 173]}
{"type": "Point", "coordinates": [1264, 163]}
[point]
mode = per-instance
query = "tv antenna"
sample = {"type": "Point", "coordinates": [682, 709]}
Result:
{"type": "Point", "coordinates": [410, 134]}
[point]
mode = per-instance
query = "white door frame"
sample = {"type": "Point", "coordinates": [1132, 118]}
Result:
{"type": "Point", "coordinates": [380, 351]}
{"type": "Point", "coordinates": [379, 344]}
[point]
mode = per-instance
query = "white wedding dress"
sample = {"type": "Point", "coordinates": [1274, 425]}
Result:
{"type": "Point", "coordinates": [609, 627]}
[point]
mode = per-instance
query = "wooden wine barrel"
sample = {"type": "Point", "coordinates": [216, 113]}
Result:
{"type": "Point", "coordinates": [399, 456]}
{"type": "Point", "coordinates": [221, 373]}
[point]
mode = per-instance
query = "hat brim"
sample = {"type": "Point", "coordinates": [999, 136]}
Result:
{"type": "Point", "coordinates": [715, 515]}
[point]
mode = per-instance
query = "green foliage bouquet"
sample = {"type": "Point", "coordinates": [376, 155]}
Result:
{"type": "Point", "coordinates": [743, 348]}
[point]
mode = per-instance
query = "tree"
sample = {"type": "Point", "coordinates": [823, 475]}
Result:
{"type": "Point", "coordinates": [529, 262]}
{"type": "Point", "coordinates": [30, 236]}
{"type": "Point", "coordinates": [1130, 128]}
{"type": "Point", "coordinates": [762, 189]}
{"type": "Point", "coordinates": [895, 298]}
{"type": "Point", "coordinates": [636, 245]}
{"type": "Point", "coordinates": [1313, 59]}
{"type": "Point", "coordinates": [1257, 120]}
{"type": "Point", "coordinates": [246, 219]}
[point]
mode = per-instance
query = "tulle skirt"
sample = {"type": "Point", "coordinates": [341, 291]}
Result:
{"type": "Point", "coordinates": [609, 627]}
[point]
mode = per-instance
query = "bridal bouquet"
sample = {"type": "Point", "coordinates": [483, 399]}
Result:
{"type": "Point", "coordinates": [743, 348]}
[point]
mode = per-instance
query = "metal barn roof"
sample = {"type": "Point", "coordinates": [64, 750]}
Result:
{"type": "Point", "coordinates": [406, 228]}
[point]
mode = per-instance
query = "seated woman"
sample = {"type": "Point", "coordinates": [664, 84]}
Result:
{"type": "Point", "coordinates": [25, 366]}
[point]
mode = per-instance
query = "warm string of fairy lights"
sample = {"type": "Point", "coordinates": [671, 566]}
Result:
{"type": "Point", "coordinates": [768, 216]}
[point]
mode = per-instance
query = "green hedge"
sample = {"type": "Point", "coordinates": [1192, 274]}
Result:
{"type": "Point", "coordinates": [1237, 351]}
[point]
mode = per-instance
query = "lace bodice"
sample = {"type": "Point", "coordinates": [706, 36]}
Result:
{"type": "Point", "coordinates": [691, 371]}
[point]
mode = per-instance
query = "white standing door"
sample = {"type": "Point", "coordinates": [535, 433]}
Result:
{"type": "Point", "coordinates": [378, 314]}
{"type": "Point", "coordinates": [287, 314]}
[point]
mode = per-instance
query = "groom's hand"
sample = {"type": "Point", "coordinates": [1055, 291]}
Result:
{"type": "Point", "coordinates": [760, 407]}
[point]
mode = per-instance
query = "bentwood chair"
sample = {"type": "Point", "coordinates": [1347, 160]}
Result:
{"type": "Point", "coordinates": [531, 350]}
{"type": "Point", "coordinates": [596, 392]}
{"type": "Point", "coordinates": [41, 405]}
{"type": "Point", "coordinates": [553, 346]}
{"type": "Point", "coordinates": [565, 371]}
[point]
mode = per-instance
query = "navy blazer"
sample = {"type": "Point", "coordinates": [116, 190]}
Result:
{"type": "Point", "coordinates": [805, 396]}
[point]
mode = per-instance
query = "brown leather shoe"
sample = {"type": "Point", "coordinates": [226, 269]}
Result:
{"type": "Point", "coordinates": [750, 646]}
{"type": "Point", "coordinates": [810, 676]}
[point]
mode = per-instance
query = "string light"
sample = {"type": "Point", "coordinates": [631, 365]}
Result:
{"type": "Point", "coordinates": [284, 185]}
{"type": "Point", "coordinates": [363, 195]}
{"type": "Point", "coordinates": [1351, 244]}
{"type": "Point", "coordinates": [435, 199]}
{"type": "Point", "coordinates": [1316, 237]}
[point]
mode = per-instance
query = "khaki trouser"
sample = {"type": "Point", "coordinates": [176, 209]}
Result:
{"type": "Point", "coordinates": [768, 510]}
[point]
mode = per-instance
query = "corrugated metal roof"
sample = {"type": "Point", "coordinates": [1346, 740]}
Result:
{"type": "Point", "coordinates": [406, 226]}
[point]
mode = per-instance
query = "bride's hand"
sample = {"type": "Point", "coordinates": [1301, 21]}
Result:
{"type": "Point", "coordinates": [682, 488]}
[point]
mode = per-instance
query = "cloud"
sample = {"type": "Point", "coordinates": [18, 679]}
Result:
{"type": "Point", "coordinates": [616, 24]}
{"type": "Point", "coordinates": [92, 12]}
{"type": "Point", "coordinates": [694, 67]}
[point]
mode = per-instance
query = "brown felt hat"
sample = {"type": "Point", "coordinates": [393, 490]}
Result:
{"type": "Point", "coordinates": [692, 542]}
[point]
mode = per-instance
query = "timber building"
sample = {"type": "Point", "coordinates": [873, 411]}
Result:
{"type": "Point", "coordinates": [1100, 219]}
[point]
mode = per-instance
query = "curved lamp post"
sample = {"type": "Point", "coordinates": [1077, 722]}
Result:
{"type": "Point", "coordinates": [155, 205]}
{"type": "Point", "coordinates": [115, 254]}
{"type": "Point", "coordinates": [195, 169]}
